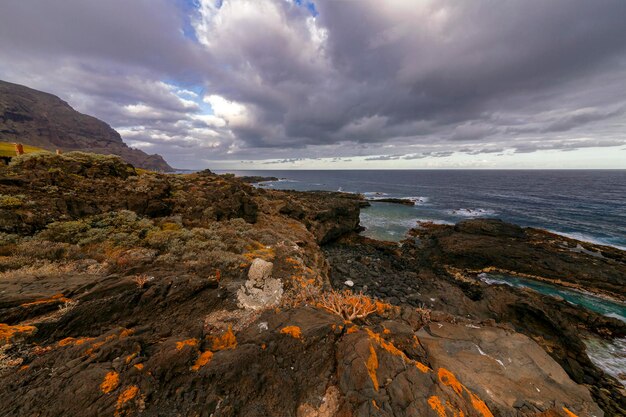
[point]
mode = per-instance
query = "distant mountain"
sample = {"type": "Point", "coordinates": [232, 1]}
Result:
{"type": "Point", "coordinates": [40, 119]}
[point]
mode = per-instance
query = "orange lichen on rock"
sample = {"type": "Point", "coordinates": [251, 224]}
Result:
{"type": "Point", "coordinates": [24, 367]}
{"type": "Point", "coordinates": [416, 342]}
{"type": "Point", "coordinates": [94, 347]}
{"type": "Point", "coordinates": [56, 298]}
{"type": "Point", "coordinates": [225, 341]}
{"type": "Point", "coordinates": [352, 329]}
{"type": "Point", "coordinates": [259, 250]}
{"type": "Point", "coordinates": [125, 396]}
{"type": "Point", "coordinates": [126, 332]}
{"type": "Point", "coordinates": [423, 368]}
{"type": "Point", "coordinates": [447, 378]}
{"type": "Point", "coordinates": [110, 382]}
{"type": "Point", "coordinates": [293, 262]}
{"type": "Point", "coordinates": [569, 413]}
{"type": "Point", "coordinates": [138, 366]}
{"type": "Point", "coordinates": [203, 359]}
{"type": "Point", "coordinates": [187, 342]}
{"type": "Point", "coordinates": [388, 346]}
{"type": "Point", "coordinates": [436, 404]}
{"type": "Point", "coordinates": [38, 350]}
{"type": "Point", "coordinates": [479, 405]}
{"type": "Point", "coordinates": [72, 341]}
{"type": "Point", "coordinates": [382, 307]}
{"type": "Point", "coordinates": [67, 341]}
{"type": "Point", "coordinates": [372, 366]}
{"type": "Point", "coordinates": [9, 332]}
{"type": "Point", "coordinates": [293, 331]}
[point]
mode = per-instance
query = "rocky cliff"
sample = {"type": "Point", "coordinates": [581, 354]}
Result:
{"type": "Point", "coordinates": [40, 119]}
{"type": "Point", "coordinates": [126, 294]}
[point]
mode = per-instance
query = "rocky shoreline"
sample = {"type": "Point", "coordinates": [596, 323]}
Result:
{"type": "Point", "coordinates": [134, 293]}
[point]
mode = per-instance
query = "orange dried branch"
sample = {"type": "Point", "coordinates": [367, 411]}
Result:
{"type": "Point", "coordinates": [348, 305]}
{"type": "Point", "coordinates": [141, 280]}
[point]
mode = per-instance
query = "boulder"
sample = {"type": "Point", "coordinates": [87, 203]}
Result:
{"type": "Point", "coordinates": [260, 290]}
{"type": "Point", "coordinates": [260, 270]}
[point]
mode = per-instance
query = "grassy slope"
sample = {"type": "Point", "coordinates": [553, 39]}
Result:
{"type": "Point", "coordinates": [8, 149]}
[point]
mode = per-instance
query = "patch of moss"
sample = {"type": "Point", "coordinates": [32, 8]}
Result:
{"type": "Point", "coordinates": [11, 202]}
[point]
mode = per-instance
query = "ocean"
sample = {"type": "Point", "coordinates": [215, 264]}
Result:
{"type": "Point", "coordinates": [588, 205]}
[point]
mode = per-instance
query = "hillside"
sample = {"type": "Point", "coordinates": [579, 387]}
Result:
{"type": "Point", "coordinates": [126, 293]}
{"type": "Point", "coordinates": [43, 120]}
{"type": "Point", "coordinates": [8, 149]}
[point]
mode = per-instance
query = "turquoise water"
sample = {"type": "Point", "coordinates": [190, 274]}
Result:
{"type": "Point", "coordinates": [608, 355]}
{"type": "Point", "coordinates": [589, 301]}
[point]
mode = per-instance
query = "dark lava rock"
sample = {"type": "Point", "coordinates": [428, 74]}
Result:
{"type": "Point", "coordinates": [255, 179]}
{"type": "Point", "coordinates": [556, 326]}
{"type": "Point", "coordinates": [403, 201]}
{"type": "Point", "coordinates": [328, 215]}
{"type": "Point", "coordinates": [484, 243]}
{"type": "Point", "coordinates": [489, 227]}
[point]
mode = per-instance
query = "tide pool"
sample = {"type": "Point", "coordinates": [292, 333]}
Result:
{"type": "Point", "coordinates": [608, 355]}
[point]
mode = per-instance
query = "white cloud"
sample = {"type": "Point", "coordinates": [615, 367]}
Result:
{"type": "Point", "coordinates": [231, 112]}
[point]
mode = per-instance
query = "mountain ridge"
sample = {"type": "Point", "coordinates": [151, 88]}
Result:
{"type": "Point", "coordinates": [38, 118]}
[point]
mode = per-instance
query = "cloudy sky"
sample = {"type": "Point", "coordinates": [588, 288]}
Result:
{"type": "Point", "coordinates": [275, 84]}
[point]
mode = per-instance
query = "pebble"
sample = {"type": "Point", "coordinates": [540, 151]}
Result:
{"type": "Point", "coordinates": [349, 283]}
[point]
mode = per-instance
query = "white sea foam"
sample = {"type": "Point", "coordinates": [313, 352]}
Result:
{"type": "Point", "coordinates": [608, 355]}
{"type": "Point", "coordinates": [375, 194]}
{"type": "Point", "coordinates": [466, 212]}
{"type": "Point", "coordinates": [419, 200]}
{"type": "Point", "coordinates": [586, 238]}
{"type": "Point", "coordinates": [493, 281]}
{"type": "Point", "coordinates": [616, 316]}
{"type": "Point", "coordinates": [434, 221]}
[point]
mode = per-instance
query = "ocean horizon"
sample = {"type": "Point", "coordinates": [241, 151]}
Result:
{"type": "Point", "coordinates": [587, 205]}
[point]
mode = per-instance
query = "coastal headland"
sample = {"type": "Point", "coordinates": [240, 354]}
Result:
{"type": "Point", "coordinates": [128, 292]}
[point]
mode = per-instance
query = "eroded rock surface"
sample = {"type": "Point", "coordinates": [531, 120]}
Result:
{"type": "Point", "coordinates": [120, 294]}
{"type": "Point", "coordinates": [505, 368]}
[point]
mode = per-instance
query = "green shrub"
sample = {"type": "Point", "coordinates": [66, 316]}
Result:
{"type": "Point", "coordinates": [9, 202]}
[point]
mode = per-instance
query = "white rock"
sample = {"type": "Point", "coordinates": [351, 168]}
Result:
{"type": "Point", "coordinates": [349, 283]}
{"type": "Point", "coordinates": [260, 290]}
{"type": "Point", "coordinates": [260, 270]}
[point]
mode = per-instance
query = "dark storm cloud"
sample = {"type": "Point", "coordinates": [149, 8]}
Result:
{"type": "Point", "coordinates": [424, 78]}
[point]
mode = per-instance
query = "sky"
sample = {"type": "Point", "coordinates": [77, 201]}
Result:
{"type": "Point", "coordinates": [336, 84]}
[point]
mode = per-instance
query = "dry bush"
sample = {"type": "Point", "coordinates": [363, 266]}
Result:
{"type": "Point", "coordinates": [46, 268]}
{"type": "Point", "coordinates": [142, 280]}
{"type": "Point", "coordinates": [350, 306]}
{"type": "Point", "coordinates": [424, 313]}
{"type": "Point", "coordinates": [67, 306]}
{"type": "Point", "coordinates": [303, 291]}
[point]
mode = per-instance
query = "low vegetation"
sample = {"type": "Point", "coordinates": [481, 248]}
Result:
{"type": "Point", "coordinates": [8, 149]}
